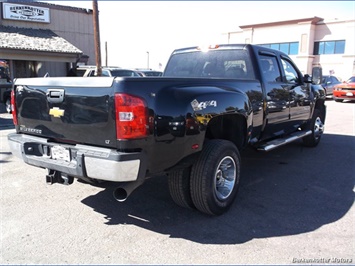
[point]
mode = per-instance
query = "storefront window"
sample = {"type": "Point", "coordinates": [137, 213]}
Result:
{"type": "Point", "coordinates": [293, 48]}
{"type": "Point", "coordinates": [4, 72]}
{"type": "Point", "coordinates": [329, 47]}
{"type": "Point", "coordinates": [290, 48]}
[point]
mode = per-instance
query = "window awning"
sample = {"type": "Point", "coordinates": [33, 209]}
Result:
{"type": "Point", "coordinates": [35, 44]}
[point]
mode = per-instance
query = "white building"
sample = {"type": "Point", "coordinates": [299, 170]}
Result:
{"type": "Point", "coordinates": [309, 42]}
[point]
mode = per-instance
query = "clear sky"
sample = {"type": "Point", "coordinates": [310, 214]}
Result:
{"type": "Point", "coordinates": [133, 28]}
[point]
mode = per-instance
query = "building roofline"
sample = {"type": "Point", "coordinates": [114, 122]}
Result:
{"type": "Point", "coordinates": [313, 20]}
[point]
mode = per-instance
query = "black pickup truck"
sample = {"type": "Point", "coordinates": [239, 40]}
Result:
{"type": "Point", "coordinates": [189, 124]}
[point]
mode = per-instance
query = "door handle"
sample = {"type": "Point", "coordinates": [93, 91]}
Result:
{"type": "Point", "coordinates": [55, 95]}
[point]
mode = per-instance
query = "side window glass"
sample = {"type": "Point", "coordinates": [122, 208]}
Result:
{"type": "Point", "coordinates": [270, 69]}
{"type": "Point", "coordinates": [334, 80]}
{"type": "Point", "coordinates": [290, 72]}
{"type": "Point", "coordinates": [105, 73]}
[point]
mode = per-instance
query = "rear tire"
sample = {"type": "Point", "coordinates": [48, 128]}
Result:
{"type": "Point", "coordinates": [215, 177]}
{"type": "Point", "coordinates": [179, 187]}
{"type": "Point", "coordinates": [316, 124]}
{"type": "Point", "coordinates": [339, 100]}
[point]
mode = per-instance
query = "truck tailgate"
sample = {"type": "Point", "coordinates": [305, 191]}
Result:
{"type": "Point", "coordinates": [73, 110]}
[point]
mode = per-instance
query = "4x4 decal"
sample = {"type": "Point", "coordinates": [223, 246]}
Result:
{"type": "Point", "coordinates": [202, 105]}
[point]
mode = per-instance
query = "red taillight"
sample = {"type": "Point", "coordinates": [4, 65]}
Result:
{"type": "Point", "coordinates": [13, 107]}
{"type": "Point", "coordinates": [131, 117]}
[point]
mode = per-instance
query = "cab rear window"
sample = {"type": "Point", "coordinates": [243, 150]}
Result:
{"type": "Point", "coordinates": [214, 63]}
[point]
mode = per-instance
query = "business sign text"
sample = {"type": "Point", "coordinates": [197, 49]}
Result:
{"type": "Point", "coordinates": [25, 13]}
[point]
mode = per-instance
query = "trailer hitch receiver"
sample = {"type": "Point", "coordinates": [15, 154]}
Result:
{"type": "Point", "coordinates": [58, 177]}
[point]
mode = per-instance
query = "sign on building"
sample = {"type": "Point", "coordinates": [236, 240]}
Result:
{"type": "Point", "coordinates": [25, 12]}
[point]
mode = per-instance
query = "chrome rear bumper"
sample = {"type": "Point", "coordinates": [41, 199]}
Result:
{"type": "Point", "coordinates": [85, 161]}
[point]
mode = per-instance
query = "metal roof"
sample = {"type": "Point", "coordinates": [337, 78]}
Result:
{"type": "Point", "coordinates": [40, 40]}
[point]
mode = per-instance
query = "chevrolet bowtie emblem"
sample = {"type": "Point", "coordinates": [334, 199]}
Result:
{"type": "Point", "coordinates": [56, 112]}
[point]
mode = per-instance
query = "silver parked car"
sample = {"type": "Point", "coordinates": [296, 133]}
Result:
{"type": "Point", "coordinates": [328, 83]}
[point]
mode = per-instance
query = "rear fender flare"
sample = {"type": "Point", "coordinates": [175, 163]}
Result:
{"type": "Point", "coordinates": [203, 103]}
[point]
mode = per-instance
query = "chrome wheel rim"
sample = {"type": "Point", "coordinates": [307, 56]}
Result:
{"type": "Point", "coordinates": [318, 127]}
{"type": "Point", "coordinates": [225, 178]}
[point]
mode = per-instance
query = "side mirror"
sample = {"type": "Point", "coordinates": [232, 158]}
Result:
{"type": "Point", "coordinates": [317, 75]}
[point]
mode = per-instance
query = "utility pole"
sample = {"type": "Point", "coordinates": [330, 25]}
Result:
{"type": "Point", "coordinates": [97, 38]}
{"type": "Point", "coordinates": [106, 55]}
{"type": "Point", "coordinates": [148, 60]}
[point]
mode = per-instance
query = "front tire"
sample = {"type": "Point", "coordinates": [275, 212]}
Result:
{"type": "Point", "coordinates": [215, 177]}
{"type": "Point", "coordinates": [316, 124]}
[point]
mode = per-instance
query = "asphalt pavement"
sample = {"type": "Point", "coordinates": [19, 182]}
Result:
{"type": "Point", "coordinates": [295, 206]}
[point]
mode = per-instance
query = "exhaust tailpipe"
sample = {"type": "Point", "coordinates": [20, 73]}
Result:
{"type": "Point", "coordinates": [122, 192]}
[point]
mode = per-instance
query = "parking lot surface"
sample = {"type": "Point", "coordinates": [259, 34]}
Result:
{"type": "Point", "coordinates": [295, 205]}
